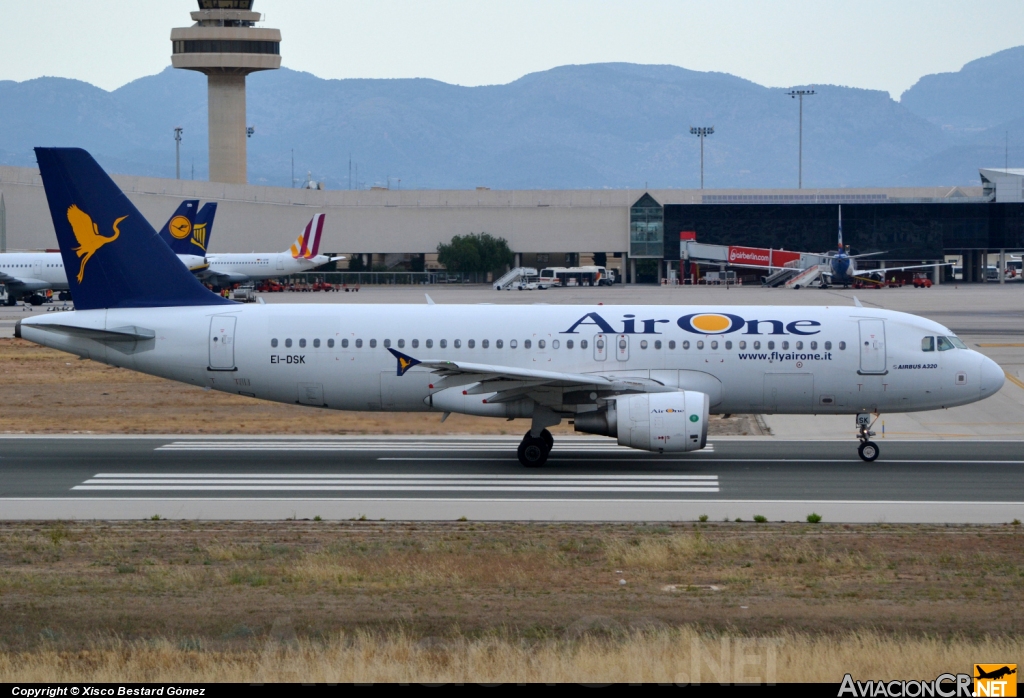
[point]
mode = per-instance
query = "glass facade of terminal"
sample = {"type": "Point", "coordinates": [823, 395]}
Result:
{"type": "Point", "coordinates": [903, 231]}
{"type": "Point", "coordinates": [647, 228]}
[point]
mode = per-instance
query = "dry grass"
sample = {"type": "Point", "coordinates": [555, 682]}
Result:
{"type": "Point", "coordinates": [50, 392]}
{"type": "Point", "coordinates": [676, 655]}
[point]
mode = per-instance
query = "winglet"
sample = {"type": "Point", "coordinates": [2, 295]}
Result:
{"type": "Point", "coordinates": [430, 301]}
{"type": "Point", "coordinates": [404, 362]}
{"type": "Point", "coordinates": [856, 302]}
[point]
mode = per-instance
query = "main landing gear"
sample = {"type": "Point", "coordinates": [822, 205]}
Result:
{"type": "Point", "coordinates": [533, 451]}
{"type": "Point", "coordinates": [868, 449]}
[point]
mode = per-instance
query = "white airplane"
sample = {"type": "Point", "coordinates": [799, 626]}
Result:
{"type": "Point", "coordinates": [649, 376]}
{"type": "Point", "coordinates": [26, 274]}
{"type": "Point", "coordinates": [303, 255]}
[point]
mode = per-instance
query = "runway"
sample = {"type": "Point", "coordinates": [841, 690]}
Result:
{"type": "Point", "coordinates": [427, 478]}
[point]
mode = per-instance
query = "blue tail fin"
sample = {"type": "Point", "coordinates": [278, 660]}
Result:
{"type": "Point", "coordinates": [203, 230]}
{"type": "Point", "coordinates": [177, 231]}
{"type": "Point", "coordinates": [112, 256]}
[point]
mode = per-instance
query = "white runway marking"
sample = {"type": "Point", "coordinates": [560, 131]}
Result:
{"type": "Point", "coordinates": [270, 482]}
{"type": "Point", "coordinates": [569, 446]}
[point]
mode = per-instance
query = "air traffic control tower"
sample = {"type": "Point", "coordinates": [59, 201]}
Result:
{"type": "Point", "coordinates": [225, 44]}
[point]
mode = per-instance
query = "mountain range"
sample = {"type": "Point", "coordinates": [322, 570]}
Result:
{"type": "Point", "coordinates": [609, 125]}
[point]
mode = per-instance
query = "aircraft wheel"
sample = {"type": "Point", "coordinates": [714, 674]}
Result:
{"type": "Point", "coordinates": [548, 438]}
{"type": "Point", "coordinates": [868, 451]}
{"type": "Point", "coordinates": [533, 452]}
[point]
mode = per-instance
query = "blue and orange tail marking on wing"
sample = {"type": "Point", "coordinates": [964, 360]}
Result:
{"type": "Point", "coordinates": [404, 362]}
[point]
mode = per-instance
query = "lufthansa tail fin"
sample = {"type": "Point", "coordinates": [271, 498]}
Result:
{"type": "Point", "coordinates": [178, 228]}
{"type": "Point", "coordinates": [307, 245]}
{"type": "Point", "coordinates": [203, 229]}
{"type": "Point", "coordinates": [113, 257]}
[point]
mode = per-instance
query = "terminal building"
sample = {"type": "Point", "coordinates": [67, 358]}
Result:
{"type": "Point", "coordinates": [633, 231]}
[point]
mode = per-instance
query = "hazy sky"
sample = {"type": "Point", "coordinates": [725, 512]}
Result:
{"type": "Point", "coordinates": [878, 44]}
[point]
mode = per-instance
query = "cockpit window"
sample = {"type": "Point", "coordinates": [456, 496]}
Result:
{"type": "Point", "coordinates": [945, 344]}
{"type": "Point", "coordinates": [928, 344]}
{"type": "Point", "coordinates": [958, 343]}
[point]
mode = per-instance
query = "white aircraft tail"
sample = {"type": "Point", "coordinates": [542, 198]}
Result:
{"type": "Point", "coordinates": [307, 245]}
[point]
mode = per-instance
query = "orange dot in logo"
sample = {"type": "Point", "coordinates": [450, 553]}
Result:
{"type": "Point", "coordinates": [711, 324]}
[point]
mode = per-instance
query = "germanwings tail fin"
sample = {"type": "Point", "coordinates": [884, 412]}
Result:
{"type": "Point", "coordinates": [307, 245]}
{"type": "Point", "coordinates": [113, 257]}
{"type": "Point", "coordinates": [177, 231]}
{"type": "Point", "coordinates": [840, 227]}
{"type": "Point", "coordinates": [203, 230]}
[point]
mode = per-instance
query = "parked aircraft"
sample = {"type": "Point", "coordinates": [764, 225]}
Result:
{"type": "Point", "coordinates": [649, 376]}
{"type": "Point", "coordinates": [28, 274]}
{"type": "Point", "coordinates": [188, 236]}
{"type": "Point", "coordinates": [303, 255]}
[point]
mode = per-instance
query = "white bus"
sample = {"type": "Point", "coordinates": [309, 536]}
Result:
{"type": "Point", "coordinates": [576, 276]}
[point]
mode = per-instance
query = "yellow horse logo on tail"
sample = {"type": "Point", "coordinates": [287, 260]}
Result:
{"type": "Point", "coordinates": [88, 235]}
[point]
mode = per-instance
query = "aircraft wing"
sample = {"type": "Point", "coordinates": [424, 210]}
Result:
{"type": "Point", "coordinates": [912, 266]}
{"type": "Point", "coordinates": [220, 277]}
{"type": "Point", "coordinates": [10, 280]}
{"type": "Point", "coordinates": [512, 382]}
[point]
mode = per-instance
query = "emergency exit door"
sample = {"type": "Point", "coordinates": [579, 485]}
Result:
{"type": "Point", "coordinates": [872, 346]}
{"type": "Point", "coordinates": [222, 343]}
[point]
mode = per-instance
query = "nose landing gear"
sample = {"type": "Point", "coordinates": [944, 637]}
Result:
{"type": "Point", "coordinates": [868, 450]}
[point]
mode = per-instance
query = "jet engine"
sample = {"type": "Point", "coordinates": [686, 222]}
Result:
{"type": "Point", "coordinates": [675, 421]}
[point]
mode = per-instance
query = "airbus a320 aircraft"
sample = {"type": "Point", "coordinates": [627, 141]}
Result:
{"type": "Point", "coordinates": [647, 375]}
{"type": "Point", "coordinates": [303, 255]}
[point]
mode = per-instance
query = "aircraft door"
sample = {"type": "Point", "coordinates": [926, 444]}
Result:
{"type": "Point", "coordinates": [37, 268]}
{"type": "Point", "coordinates": [222, 343]}
{"type": "Point", "coordinates": [280, 262]}
{"type": "Point", "coordinates": [622, 347]}
{"type": "Point", "coordinates": [872, 346]}
{"type": "Point", "coordinates": [600, 347]}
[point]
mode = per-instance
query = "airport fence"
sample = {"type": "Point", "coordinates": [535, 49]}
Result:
{"type": "Point", "coordinates": [388, 278]}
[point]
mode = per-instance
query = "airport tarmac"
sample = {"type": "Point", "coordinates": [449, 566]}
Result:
{"type": "Point", "coordinates": [425, 478]}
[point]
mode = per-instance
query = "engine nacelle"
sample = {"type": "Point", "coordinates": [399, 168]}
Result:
{"type": "Point", "coordinates": [653, 422]}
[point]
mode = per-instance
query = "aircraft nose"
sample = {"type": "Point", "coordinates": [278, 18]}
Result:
{"type": "Point", "coordinates": [992, 377]}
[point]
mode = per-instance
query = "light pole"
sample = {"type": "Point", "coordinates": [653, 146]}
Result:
{"type": "Point", "coordinates": [801, 94]}
{"type": "Point", "coordinates": [702, 131]}
{"type": "Point", "coordinates": [177, 151]}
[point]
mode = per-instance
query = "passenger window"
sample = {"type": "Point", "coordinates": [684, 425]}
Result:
{"type": "Point", "coordinates": [568, 344]}
{"type": "Point", "coordinates": [728, 345]}
{"type": "Point", "coordinates": [828, 346]}
{"type": "Point", "coordinates": [484, 343]}
{"type": "Point", "coordinates": [928, 344]}
{"type": "Point", "coordinates": [540, 343]}
{"type": "Point", "coordinates": [814, 345]}
{"type": "Point", "coordinates": [799, 345]}
{"type": "Point", "coordinates": [583, 344]}
{"type": "Point", "coordinates": [785, 345]}
{"type": "Point", "coordinates": [471, 343]}
{"type": "Point", "coordinates": [443, 344]}
{"type": "Point", "coordinates": [330, 343]}
{"type": "Point", "coordinates": [842, 346]}
{"type": "Point", "coordinates": [359, 344]}
{"type": "Point", "coordinates": [700, 344]}
{"type": "Point", "coordinates": [316, 343]}
{"type": "Point", "coordinates": [757, 345]}
{"type": "Point", "coordinates": [555, 344]}
{"type": "Point", "coordinates": [945, 344]}
{"type": "Point", "coordinates": [387, 343]}
{"type": "Point", "coordinates": [672, 344]}
{"type": "Point", "coordinates": [657, 344]}
{"type": "Point", "coordinates": [686, 344]}
{"type": "Point", "coordinates": [771, 345]}
{"type": "Point", "coordinates": [643, 344]}
{"type": "Point", "coordinates": [401, 344]}
{"type": "Point", "coordinates": [302, 343]}
{"type": "Point", "coordinates": [512, 344]}
{"type": "Point", "coordinates": [415, 343]}
{"type": "Point", "coordinates": [526, 344]}
{"type": "Point", "coordinates": [430, 343]}
{"type": "Point", "coordinates": [743, 345]}
{"type": "Point", "coordinates": [458, 344]}
{"type": "Point", "coordinates": [714, 345]}
{"type": "Point", "coordinates": [273, 342]}
{"type": "Point", "coordinates": [344, 344]}
{"type": "Point", "coordinates": [499, 343]}
{"type": "Point", "coordinates": [373, 343]}
{"type": "Point", "coordinates": [288, 343]}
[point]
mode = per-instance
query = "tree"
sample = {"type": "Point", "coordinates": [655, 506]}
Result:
{"type": "Point", "coordinates": [355, 263]}
{"type": "Point", "coordinates": [475, 253]}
